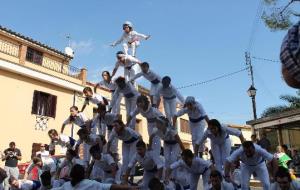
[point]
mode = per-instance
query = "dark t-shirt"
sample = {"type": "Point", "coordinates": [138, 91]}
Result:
{"type": "Point", "coordinates": [264, 143]}
{"type": "Point", "coordinates": [12, 160]}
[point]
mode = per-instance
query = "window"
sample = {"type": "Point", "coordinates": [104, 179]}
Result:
{"type": "Point", "coordinates": [43, 104]}
{"type": "Point", "coordinates": [184, 126]}
{"type": "Point", "coordinates": [34, 56]}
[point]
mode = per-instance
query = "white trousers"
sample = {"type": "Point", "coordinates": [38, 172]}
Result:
{"type": "Point", "coordinates": [129, 73]}
{"type": "Point", "coordinates": [128, 151]}
{"type": "Point", "coordinates": [156, 143]}
{"type": "Point", "coordinates": [262, 174]}
{"type": "Point", "coordinates": [133, 47]}
{"type": "Point", "coordinates": [194, 178]}
{"type": "Point", "coordinates": [116, 107]}
{"type": "Point", "coordinates": [86, 153]}
{"type": "Point", "coordinates": [114, 143]}
{"type": "Point", "coordinates": [197, 130]}
{"type": "Point", "coordinates": [154, 92]}
{"type": "Point", "coordinates": [130, 104]}
{"type": "Point", "coordinates": [170, 108]}
{"type": "Point", "coordinates": [220, 152]}
{"type": "Point", "coordinates": [10, 171]}
{"type": "Point", "coordinates": [171, 153]}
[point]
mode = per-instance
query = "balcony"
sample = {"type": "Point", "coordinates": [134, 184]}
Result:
{"type": "Point", "coordinates": [46, 60]}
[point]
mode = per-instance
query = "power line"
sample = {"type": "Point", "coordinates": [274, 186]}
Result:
{"type": "Point", "coordinates": [265, 59]}
{"type": "Point", "coordinates": [213, 79]}
{"type": "Point", "coordinates": [254, 25]}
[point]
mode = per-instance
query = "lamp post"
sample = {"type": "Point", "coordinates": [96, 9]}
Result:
{"type": "Point", "coordinates": [252, 93]}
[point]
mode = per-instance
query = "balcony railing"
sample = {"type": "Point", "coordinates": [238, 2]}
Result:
{"type": "Point", "coordinates": [44, 61]}
{"type": "Point", "coordinates": [60, 67]}
{"type": "Point", "coordinates": [9, 48]}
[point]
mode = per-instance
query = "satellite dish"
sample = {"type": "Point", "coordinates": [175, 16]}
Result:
{"type": "Point", "coordinates": [69, 51]}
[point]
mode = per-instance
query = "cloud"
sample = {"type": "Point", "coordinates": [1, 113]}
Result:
{"type": "Point", "coordinates": [83, 46]}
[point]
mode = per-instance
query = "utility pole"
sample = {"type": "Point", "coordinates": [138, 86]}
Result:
{"type": "Point", "coordinates": [251, 91]}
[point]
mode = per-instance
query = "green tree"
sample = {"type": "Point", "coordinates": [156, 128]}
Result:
{"type": "Point", "coordinates": [292, 102]}
{"type": "Point", "coordinates": [280, 15]}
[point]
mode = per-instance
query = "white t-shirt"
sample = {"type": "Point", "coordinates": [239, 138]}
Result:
{"type": "Point", "coordinates": [126, 135]}
{"type": "Point", "coordinates": [199, 166]}
{"type": "Point", "coordinates": [259, 156]}
{"type": "Point", "coordinates": [80, 119]}
{"type": "Point", "coordinates": [85, 184]}
{"type": "Point", "coordinates": [170, 92]}
{"type": "Point", "coordinates": [220, 139]}
{"type": "Point", "coordinates": [105, 162]}
{"type": "Point", "coordinates": [95, 99]}
{"type": "Point", "coordinates": [148, 162]}
{"type": "Point", "coordinates": [195, 113]}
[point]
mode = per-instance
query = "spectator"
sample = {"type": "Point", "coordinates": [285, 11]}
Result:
{"type": "Point", "coordinates": [3, 176]}
{"type": "Point", "coordinates": [284, 181]}
{"type": "Point", "coordinates": [254, 138]}
{"type": "Point", "coordinates": [23, 184]}
{"type": "Point", "coordinates": [282, 157]}
{"type": "Point", "coordinates": [296, 161]}
{"type": "Point", "coordinates": [11, 158]}
{"type": "Point", "coordinates": [286, 150]}
{"type": "Point", "coordinates": [264, 142]}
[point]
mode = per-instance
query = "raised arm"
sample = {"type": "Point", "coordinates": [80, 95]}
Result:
{"type": "Point", "coordinates": [178, 95]}
{"type": "Point", "coordinates": [115, 69]}
{"type": "Point", "coordinates": [231, 131]}
{"type": "Point", "coordinates": [118, 41]}
{"type": "Point", "coordinates": [132, 115]}
{"type": "Point", "coordinates": [178, 114]}
{"type": "Point", "coordinates": [179, 142]}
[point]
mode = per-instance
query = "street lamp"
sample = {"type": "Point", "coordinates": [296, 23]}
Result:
{"type": "Point", "coordinates": [252, 93]}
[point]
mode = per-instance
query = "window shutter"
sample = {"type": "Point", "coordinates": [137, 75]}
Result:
{"type": "Point", "coordinates": [53, 103]}
{"type": "Point", "coordinates": [35, 98]}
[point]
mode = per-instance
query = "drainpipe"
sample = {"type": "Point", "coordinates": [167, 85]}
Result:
{"type": "Point", "coordinates": [72, 128]}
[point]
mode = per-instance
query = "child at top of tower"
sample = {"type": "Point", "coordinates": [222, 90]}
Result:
{"type": "Point", "coordinates": [130, 38]}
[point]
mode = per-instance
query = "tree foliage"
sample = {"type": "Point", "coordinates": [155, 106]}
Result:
{"type": "Point", "coordinates": [292, 102]}
{"type": "Point", "coordinates": [279, 15]}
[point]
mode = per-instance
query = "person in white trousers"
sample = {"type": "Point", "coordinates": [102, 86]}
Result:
{"type": "Point", "coordinates": [169, 94]}
{"type": "Point", "coordinates": [107, 83]}
{"type": "Point", "coordinates": [130, 38]}
{"type": "Point", "coordinates": [172, 142]}
{"type": "Point", "coordinates": [152, 164]}
{"type": "Point", "coordinates": [219, 141]}
{"type": "Point", "coordinates": [92, 97]}
{"type": "Point", "coordinates": [101, 162]}
{"type": "Point", "coordinates": [150, 113]}
{"type": "Point", "coordinates": [126, 61]}
{"type": "Point", "coordinates": [197, 119]}
{"type": "Point", "coordinates": [253, 159]}
{"type": "Point", "coordinates": [195, 167]}
{"type": "Point", "coordinates": [155, 80]}
{"type": "Point", "coordinates": [129, 137]}
{"type": "Point", "coordinates": [104, 121]}
{"type": "Point", "coordinates": [88, 140]}
{"type": "Point", "coordinates": [76, 117]}
{"type": "Point", "coordinates": [130, 94]}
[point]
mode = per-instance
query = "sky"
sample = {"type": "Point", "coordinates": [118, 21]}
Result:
{"type": "Point", "coordinates": [191, 41]}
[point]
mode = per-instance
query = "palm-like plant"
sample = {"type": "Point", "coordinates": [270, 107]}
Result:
{"type": "Point", "coordinates": [293, 102]}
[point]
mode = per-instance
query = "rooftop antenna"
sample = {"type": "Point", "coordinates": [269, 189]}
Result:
{"type": "Point", "coordinates": [68, 50]}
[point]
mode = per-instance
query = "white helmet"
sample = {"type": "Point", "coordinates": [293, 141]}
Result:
{"type": "Point", "coordinates": [128, 23]}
